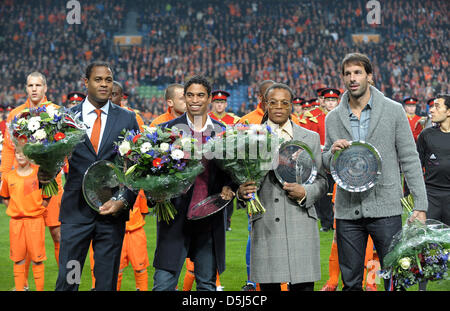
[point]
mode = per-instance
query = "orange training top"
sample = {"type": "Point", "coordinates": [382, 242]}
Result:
{"type": "Point", "coordinates": [165, 117]}
{"type": "Point", "coordinates": [8, 151]}
{"type": "Point", "coordinates": [25, 197]}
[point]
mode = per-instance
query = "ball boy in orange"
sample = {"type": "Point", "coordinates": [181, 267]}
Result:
{"type": "Point", "coordinates": [26, 207]}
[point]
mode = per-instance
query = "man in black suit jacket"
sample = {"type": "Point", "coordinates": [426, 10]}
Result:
{"type": "Point", "coordinates": [79, 223]}
{"type": "Point", "coordinates": [203, 241]}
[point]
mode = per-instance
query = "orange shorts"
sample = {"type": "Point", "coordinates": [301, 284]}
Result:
{"type": "Point", "coordinates": [51, 215]}
{"type": "Point", "coordinates": [134, 250]}
{"type": "Point", "coordinates": [27, 236]}
{"type": "Point", "coordinates": [189, 265]}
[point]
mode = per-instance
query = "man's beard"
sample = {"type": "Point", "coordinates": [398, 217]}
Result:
{"type": "Point", "coordinates": [358, 93]}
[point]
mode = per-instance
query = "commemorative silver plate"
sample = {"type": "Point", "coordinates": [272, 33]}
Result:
{"type": "Point", "coordinates": [295, 163]}
{"type": "Point", "coordinates": [100, 184]}
{"type": "Point", "coordinates": [207, 207]}
{"type": "Point", "coordinates": [356, 168]}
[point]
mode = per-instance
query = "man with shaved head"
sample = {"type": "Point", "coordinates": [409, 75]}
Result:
{"type": "Point", "coordinates": [36, 88]}
{"type": "Point", "coordinates": [176, 104]}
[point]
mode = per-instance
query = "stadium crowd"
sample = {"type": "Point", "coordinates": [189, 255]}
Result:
{"type": "Point", "coordinates": [295, 42]}
{"type": "Point", "coordinates": [298, 44]}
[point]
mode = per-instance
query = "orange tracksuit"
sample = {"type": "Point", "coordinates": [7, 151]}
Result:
{"type": "Point", "coordinates": [26, 226]}
{"type": "Point", "coordinates": [165, 117]}
{"type": "Point", "coordinates": [51, 216]}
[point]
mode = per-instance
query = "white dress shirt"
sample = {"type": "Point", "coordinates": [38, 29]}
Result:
{"type": "Point", "coordinates": [207, 123]}
{"type": "Point", "coordinates": [89, 117]}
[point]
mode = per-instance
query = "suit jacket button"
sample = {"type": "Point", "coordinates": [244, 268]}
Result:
{"type": "Point", "coordinates": [276, 200]}
{"type": "Point", "coordinates": [356, 212]}
{"type": "Point", "coordinates": [277, 219]}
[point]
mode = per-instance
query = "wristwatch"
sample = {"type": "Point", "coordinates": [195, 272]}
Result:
{"type": "Point", "coordinates": [121, 198]}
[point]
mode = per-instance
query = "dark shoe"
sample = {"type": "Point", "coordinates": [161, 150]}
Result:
{"type": "Point", "coordinates": [248, 288]}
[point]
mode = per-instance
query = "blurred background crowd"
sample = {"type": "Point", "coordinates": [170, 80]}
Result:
{"type": "Point", "coordinates": [235, 43]}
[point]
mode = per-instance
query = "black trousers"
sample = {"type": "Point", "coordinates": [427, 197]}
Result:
{"type": "Point", "coordinates": [438, 205]}
{"type": "Point", "coordinates": [324, 206]}
{"type": "Point", "coordinates": [107, 240]}
{"type": "Point", "coordinates": [276, 287]}
{"type": "Point", "coordinates": [351, 236]}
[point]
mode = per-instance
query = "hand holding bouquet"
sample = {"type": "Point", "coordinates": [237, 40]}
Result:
{"type": "Point", "coordinates": [158, 161]}
{"type": "Point", "coordinates": [48, 134]}
{"type": "Point", "coordinates": [420, 251]}
{"type": "Point", "coordinates": [246, 153]}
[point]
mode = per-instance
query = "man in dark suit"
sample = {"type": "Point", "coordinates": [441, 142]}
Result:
{"type": "Point", "coordinates": [203, 241]}
{"type": "Point", "coordinates": [79, 223]}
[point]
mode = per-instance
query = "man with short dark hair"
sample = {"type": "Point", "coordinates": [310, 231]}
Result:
{"type": "Point", "coordinates": [433, 145]}
{"type": "Point", "coordinates": [365, 114]}
{"type": "Point", "coordinates": [79, 223]}
{"type": "Point", "coordinates": [203, 241]}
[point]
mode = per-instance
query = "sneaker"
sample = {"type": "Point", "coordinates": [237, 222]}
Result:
{"type": "Point", "coordinates": [325, 229]}
{"type": "Point", "coordinates": [328, 288]}
{"type": "Point", "coordinates": [248, 288]}
{"type": "Point", "coordinates": [371, 287]}
{"type": "Point", "coordinates": [219, 288]}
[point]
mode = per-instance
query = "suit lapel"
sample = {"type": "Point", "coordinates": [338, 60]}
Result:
{"type": "Point", "coordinates": [78, 110]}
{"type": "Point", "coordinates": [299, 133]}
{"type": "Point", "coordinates": [110, 123]}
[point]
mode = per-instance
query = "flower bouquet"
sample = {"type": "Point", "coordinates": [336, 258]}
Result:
{"type": "Point", "coordinates": [246, 153]}
{"type": "Point", "coordinates": [419, 252]}
{"type": "Point", "coordinates": [48, 134]}
{"type": "Point", "coordinates": [158, 161]}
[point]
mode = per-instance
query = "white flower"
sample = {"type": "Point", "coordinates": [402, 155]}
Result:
{"type": "Point", "coordinates": [164, 147]}
{"type": "Point", "coordinates": [149, 129]}
{"type": "Point", "coordinates": [146, 147]}
{"type": "Point", "coordinates": [22, 121]}
{"type": "Point", "coordinates": [177, 154]}
{"type": "Point", "coordinates": [256, 127]}
{"type": "Point", "coordinates": [124, 148]}
{"type": "Point", "coordinates": [185, 142]}
{"type": "Point", "coordinates": [40, 134]}
{"type": "Point", "coordinates": [34, 123]}
{"type": "Point", "coordinates": [52, 111]}
{"type": "Point", "coordinates": [405, 263]}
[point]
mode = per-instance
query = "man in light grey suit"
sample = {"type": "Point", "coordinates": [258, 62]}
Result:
{"type": "Point", "coordinates": [285, 239]}
{"type": "Point", "coordinates": [365, 114]}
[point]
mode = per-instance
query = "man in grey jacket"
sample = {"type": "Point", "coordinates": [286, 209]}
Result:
{"type": "Point", "coordinates": [365, 114]}
{"type": "Point", "coordinates": [285, 239]}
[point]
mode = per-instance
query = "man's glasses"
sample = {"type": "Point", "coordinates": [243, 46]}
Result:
{"type": "Point", "coordinates": [275, 103]}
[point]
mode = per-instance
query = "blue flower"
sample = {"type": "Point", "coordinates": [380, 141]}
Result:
{"type": "Point", "coordinates": [41, 109]}
{"type": "Point", "coordinates": [153, 136]}
{"type": "Point", "coordinates": [164, 159]}
{"type": "Point", "coordinates": [57, 118]}
{"type": "Point", "coordinates": [180, 165]}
